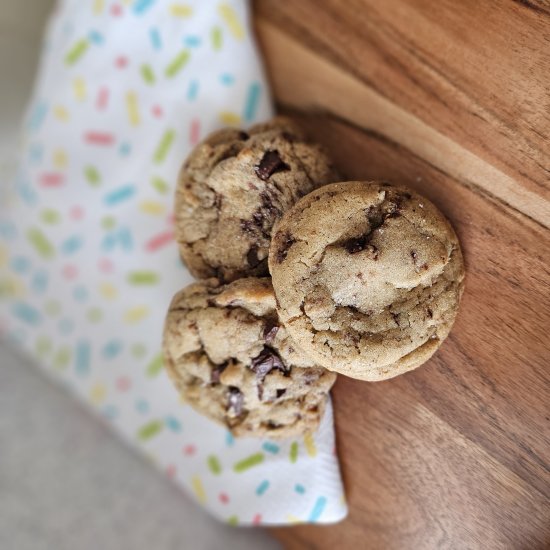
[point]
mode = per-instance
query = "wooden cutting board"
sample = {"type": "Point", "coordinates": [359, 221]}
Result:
{"type": "Point", "coordinates": [451, 98]}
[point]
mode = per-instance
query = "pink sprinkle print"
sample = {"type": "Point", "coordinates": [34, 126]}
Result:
{"type": "Point", "coordinates": [171, 219]}
{"type": "Point", "coordinates": [194, 133]}
{"type": "Point", "coordinates": [76, 213]}
{"type": "Point", "coordinates": [123, 384]}
{"type": "Point", "coordinates": [116, 10]}
{"type": "Point", "coordinates": [105, 265]}
{"type": "Point", "coordinates": [102, 98]}
{"type": "Point", "coordinates": [257, 519]}
{"type": "Point", "coordinates": [99, 138]}
{"type": "Point", "coordinates": [121, 62]}
{"type": "Point", "coordinates": [159, 241]}
{"type": "Point", "coordinates": [224, 499]}
{"type": "Point", "coordinates": [170, 471]}
{"type": "Point", "coordinates": [189, 450]}
{"type": "Point", "coordinates": [70, 271]}
{"type": "Point", "coordinates": [157, 111]}
{"type": "Point", "coordinates": [51, 179]}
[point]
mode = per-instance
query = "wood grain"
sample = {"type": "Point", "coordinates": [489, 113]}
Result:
{"type": "Point", "coordinates": [307, 72]}
{"type": "Point", "coordinates": [455, 454]}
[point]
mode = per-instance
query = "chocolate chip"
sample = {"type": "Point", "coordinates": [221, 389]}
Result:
{"type": "Point", "coordinates": [247, 225]}
{"type": "Point", "coordinates": [285, 243]}
{"type": "Point", "coordinates": [243, 136]}
{"type": "Point", "coordinates": [217, 201]}
{"type": "Point", "coordinates": [216, 372]}
{"type": "Point", "coordinates": [270, 331]}
{"type": "Point", "coordinates": [272, 425]}
{"type": "Point", "coordinates": [268, 360]}
{"type": "Point", "coordinates": [361, 243]}
{"type": "Point", "coordinates": [235, 400]}
{"type": "Point", "coordinates": [280, 393]}
{"type": "Point", "coordinates": [252, 256]}
{"type": "Point", "coordinates": [430, 313]}
{"type": "Point", "coordinates": [270, 164]}
{"type": "Point", "coordinates": [414, 255]}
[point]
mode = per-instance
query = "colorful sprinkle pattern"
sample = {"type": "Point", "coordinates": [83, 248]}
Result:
{"type": "Point", "coordinates": [88, 262]}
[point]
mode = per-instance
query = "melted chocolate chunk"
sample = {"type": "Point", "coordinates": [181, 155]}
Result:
{"type": "Point", "coordinates": [270, 164]}
{"type": "Point", "coordinates": [268, 360]}
{"type": "Point", "coordinates": [243, 136]}
{"type": "Point", "coordinates": [430, 313]}
{"type": "Point", "coordinates": [247, 225]}
{"type": "Point", "coordinates": [280, 393]}
{"type": "Point", "coordinates": [361, 243]}
{"type": "Point", "coordinates": [286, 242]}
{"type": "Point", "coordinates": [216, 372]}
{"type": "Point", "coordinates": [235, 400]}
{"type": "Point", "coordinates": [252, 256]}
{"type": "Point", "coordinates": [270, 331]}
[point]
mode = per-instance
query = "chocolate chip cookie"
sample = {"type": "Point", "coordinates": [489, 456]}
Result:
{"type": "Point", "coordinates": [368, 277]}
{"type": "Point", "coordinates": [232, 360]}
{"type": "Point", "coordinates": [232, 189]}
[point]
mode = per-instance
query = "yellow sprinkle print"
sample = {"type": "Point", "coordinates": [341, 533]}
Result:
{"type": "Point", "coordinates": [135, 314]}
{"type": "Point", "coordinates": [79, 88]}
{"type": "Point", "coordinates": [231, 20]}
{"type": "Point", "coordinates": [293, 519]}
{"type": "Point", "coordinates": [59, 159]}
{"type": "Point", "coordinates": [108, 291]}
{"type": "Point", "coordinates": [61, 113]}
{"type": "Point", "coordinates": [310, 445]}
{"type": "Point", "coordinates": [98, 6]}
{"type": "Point", "coordinates": [132, 107]}
{"type": "Point", "coordinates": [229, 118]}
{"type": "Point", "coordinates": [181, 10]}
{"type": "Point", "coordinates": [98, 393]}
{"type": "Point", "coordinates": [198, 489]}
{"type": "Point", "coordinates": [153, 208]}
{"type": "Point", "coordinates": [13, 287]}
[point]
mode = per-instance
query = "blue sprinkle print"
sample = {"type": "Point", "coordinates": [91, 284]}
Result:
{"type": "Point", "coordinates": [125, 238]}
{"type": "Point", "coordinates": [82, 358]}
{"type": "Point", "coordinates": [108, 242]}
{"type": "Point", "coordinates": [38, 115]}
{"type": "Point", "coordinates": [270, 447]}
{"type": "Point", "coordinates": [172, 424]}
{"type": "Point", "coordinates": [65, 326]}
{"type": "Point", "coordinates": [193, 90]}
{"type": "Point", "coordinates": [142, 406]}
{"type": "Point", "coordinates": [229, 439]}
{"type": "Point", "coordinates": [35, 153]}
{"type": "Point", "coordinates": [318, 509]}
{"type": "Point", "coordinates": [262, 487]}
{"type": "Point", "coordinates": [252, 100]}
{"type": "Point", "coordinates": [110, 412]}
{"type": "Point", "coordinates": [26, 192]}
{"type": "Point", "coordinates": [142, 6]}
{"type": "Point", "coordinates": [39, 282]}
{"type": "Point", "coordinates": [7, 230]}
{"type": "Point", "coordinates": [119, 195]}
{"type": "Point", "coordinates": [300, 489]}
{"type": "Point", "coordinates": [111, 349]}
{"type": "Point", "coordinates": [20, 264]}
{"type": "Point", "coordinates": [80, 294]}
{"type": "Point", "coordinates": [71, 245]}
{"type": "Point", "coordinates": [26, 313]}
{"type": "Point", "coordinates": [192, 41]}
{"type": "Point", "coordinates": [18, 336]}
{"type": "Point", "coordinates": [227, 79]}
{"type": "Point", "coordinates": [125, 149]}
{"type": "Point", "coordinates": [96, 37]}
{"type": "Point", "coordinates": [156, 41]}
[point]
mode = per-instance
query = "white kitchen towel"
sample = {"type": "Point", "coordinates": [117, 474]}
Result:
{"type": "Point", "coordinates": [88, 262]}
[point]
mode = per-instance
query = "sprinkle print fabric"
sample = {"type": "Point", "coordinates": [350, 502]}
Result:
{"type": "Point", "coordinates": [88, 262]}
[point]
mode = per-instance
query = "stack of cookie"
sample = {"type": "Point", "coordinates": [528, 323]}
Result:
{"type": "Point", "coordinates": [365, 280]}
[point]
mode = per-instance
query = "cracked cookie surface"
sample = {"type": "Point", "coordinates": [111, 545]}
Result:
{"type": "Point", "coordinates": [368, 278]}
{"type": "Point", "coordinates": [232, 189]}
{"type": "Point", "coordinates": [233, 361]}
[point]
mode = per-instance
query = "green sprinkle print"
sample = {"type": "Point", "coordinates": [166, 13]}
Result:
{"type": "Point", "coordinates": [62, 358]}
{"type": "Point", "coordinates": [249, 462]}
{"type": "Point", "coordinates": [40, 243]}
{"type": "Point", "coordinates": [160, 185]}
{"type": "Point", "coordinates": [92, 176]}
{"type": "Point", "coordinates": [150, 430]}
{"type": "Point", "coordinates": [142, 278]}
{"type": "Point", "coordinates": [164, 146]}
{"type": "Point", "coordinates": [294, 452]}
{"type": "Point", "coordinates": [216, 38]}
{"type": "Point", "coordinates": [214, 465]}
{"type": "Point", "coordinates": [177, 64]}
{"type": "Point", "coordinates": [155, 366]}
{"type": "Point", "coordinates": [50, 216]}
{"type": "Point", "coordinates": [233, 520]}
{"type": "Point", "coordinates": [76, 52]}
{"type": "Point", "coordinates": [148, 74]}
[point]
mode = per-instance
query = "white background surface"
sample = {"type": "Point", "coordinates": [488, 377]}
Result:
{"type": "Point", "coordinates": [65, 481]}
